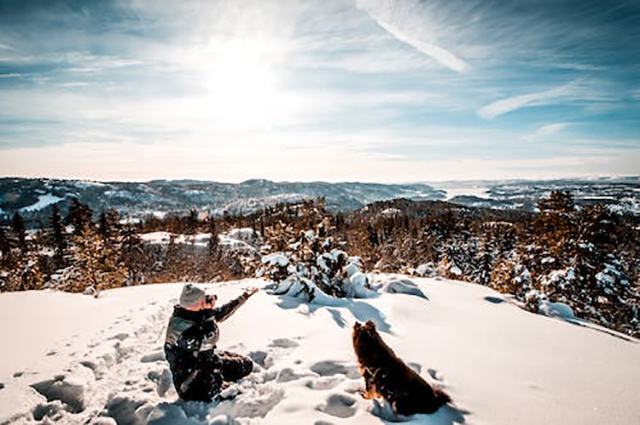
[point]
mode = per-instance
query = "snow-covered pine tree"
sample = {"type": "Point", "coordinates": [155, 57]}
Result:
{"type": "Point", "coordinates": [483, 261]}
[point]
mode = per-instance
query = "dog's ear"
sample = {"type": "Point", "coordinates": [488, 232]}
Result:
{"type": "Point", "coordinates": [357, 326]}
{"type": "Point", "coordinates": [370, 325]}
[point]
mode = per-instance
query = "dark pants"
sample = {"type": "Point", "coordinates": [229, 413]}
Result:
{"type": "Point", "coordinates": [207, 382]}
{"type": "Point", "coordinates": [234, 366]}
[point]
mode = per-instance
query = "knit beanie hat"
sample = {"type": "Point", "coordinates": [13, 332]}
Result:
{"type": "Point", "coordinates": [191, 296]}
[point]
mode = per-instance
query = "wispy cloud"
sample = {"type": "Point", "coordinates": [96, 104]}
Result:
{"type": "Point", "coordinates": [438, 53]}
{"type": "Point", "coordinates": [403, 31]}
{"type": "Point", "coordinates": [10, 75]}
{"type": "Point", "coordinates": [510, 104]}
{"type": "Point", "coordinates": [547, 130]}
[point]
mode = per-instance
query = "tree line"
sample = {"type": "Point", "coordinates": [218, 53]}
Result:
{"type": "Point", "coordinates": [584, 256]}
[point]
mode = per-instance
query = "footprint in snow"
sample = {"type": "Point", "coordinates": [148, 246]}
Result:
{"type": "Point", "coordinates": [120, 337]}
{"type": "Point", "coordinates": [153, 357]}
{"type": "Point", "coordinates": [435, 374]}
{"type": "Point", "coordinates": [417, 368]}
{"type": "Point", "coordinates": [283, 343]}
{"type": "Point", "coordinates": [324, 383]}
{"type": "Point", "coordinates": [330, 368]}
{"type": "Point", "coordinates": [339, 405]}
{"type": "Point", "coordinates": [260, 358]}
{"type": "Point", "coordinates": [93, 366]}
{"type": "Point", "coordinates": [287, 375]}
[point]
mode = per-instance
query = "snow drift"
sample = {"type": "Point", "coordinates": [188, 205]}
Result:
{"type": "Point", "coordinates": [73, 359]}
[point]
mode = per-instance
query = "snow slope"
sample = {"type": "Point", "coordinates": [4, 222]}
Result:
{"type": "Point", "coordinates": [100, 361]}
{"type": "Point", "coordinates": [43, 202]}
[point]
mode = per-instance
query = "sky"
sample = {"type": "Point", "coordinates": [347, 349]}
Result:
{"type": "Point", "coordinates": [332, 90]}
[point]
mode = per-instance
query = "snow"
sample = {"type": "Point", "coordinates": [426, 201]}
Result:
{"type": "Point", "coordinates": [248, 206]}
{"type": "Point", "coordinates": [120, 194]}
{"type": "Point", "coordinates": [245, 234]}
{"type": "Point", "coordinates": [605, 279]}
{"type": "Point", "coordinates": [244, 240]}
{"type": "Point", "coordinates": [83, 184]}
{"type": "Point", "coordinates": [43, 202]}
{"type": "Point", "coordinates": [455, 270]}
{"type": "Point", "coordinates": [239, 240]}
{"type": "Point", "coordinates": [552, 309]}
{"type": "Point", "coordinates": [236, 245]}
{"type": "Point", "coordinates": [163, 238]}
{"type": "Point", "coordinates": [100, 360]}
{"type": "Point", "coordinates": [395, 284]}
{"type": "Point", "coordinates": [478, 192]}
{"type": "Point", "coordinates": [274, 259]}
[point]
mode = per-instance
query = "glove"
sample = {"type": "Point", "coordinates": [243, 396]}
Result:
{"type": "Point", "coordinates": [249, 292]}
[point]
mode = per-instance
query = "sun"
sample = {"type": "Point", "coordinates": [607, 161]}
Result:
{"type": "Point", "coordinates": [242, 86]}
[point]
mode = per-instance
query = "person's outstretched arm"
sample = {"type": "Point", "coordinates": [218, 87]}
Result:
{"type": "Point", "coordinates": [223, 312]}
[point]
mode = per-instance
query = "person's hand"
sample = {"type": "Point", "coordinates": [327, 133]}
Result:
{"type": "Point", "coordinates": [250, 291]}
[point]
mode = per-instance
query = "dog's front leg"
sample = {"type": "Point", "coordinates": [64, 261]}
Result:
{"type": "Point", "coordinates": [370, 388]}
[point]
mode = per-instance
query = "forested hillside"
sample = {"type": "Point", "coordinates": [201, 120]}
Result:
{"type": "Point", "coordinates": [583, 256]}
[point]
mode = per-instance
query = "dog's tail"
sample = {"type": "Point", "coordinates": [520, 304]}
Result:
{"type": "Point", "coordinates": [442, 398]}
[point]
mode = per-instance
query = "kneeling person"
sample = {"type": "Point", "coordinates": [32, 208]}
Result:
{"type": "Point", "coordinates": [199, 370]}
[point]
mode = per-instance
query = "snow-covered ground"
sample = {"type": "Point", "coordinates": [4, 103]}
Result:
{"type": "Point", "coordinates": [480, 192]}
{"type": "Point", "coordinates": [164, 238]}
{"type": "Point", "coordinates": [74, 359]}
{"type": "Point", "coordinates": [43, 202]}
{"type": "Point", "coordinates": [244, 240]}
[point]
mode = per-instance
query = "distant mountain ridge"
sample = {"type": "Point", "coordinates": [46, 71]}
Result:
{"type": "Point", "coordinates": [33, 198]}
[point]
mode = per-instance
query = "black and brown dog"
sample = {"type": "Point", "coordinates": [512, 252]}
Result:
{"type": "Point", "coordinates": [387, 376]}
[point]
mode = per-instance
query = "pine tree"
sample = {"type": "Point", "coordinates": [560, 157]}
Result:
{"type": "Point", "coordinates": [5, 248]}
{"type": "Point", "coordinates": [374, 241]}
{"type": "Point", "coordinates": [133, 254]}
{"type": "Point", "coordinates": [57, 235]}
{"type": "Point", "coordinates": [25, 274]}
{"type": "Point", "coordinates": [79, 216]}
{"type": "Point", "coordinates": [191, 222]}
{"type": "Point", "coordinates": [484, 263]}
{"type": "Point", "coordinates": [94, 264]}
{"type": "Point", "coordinates": [213, 237]}
{"type": "Point", "coordinates": [554, 225]}
{"type": "Point", "coordinates": [109, 224]}
{"type": "Point", "coordinates": [19, 230]}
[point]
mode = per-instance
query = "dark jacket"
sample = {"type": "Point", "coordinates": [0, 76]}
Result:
{"type": "Point", "coordinates": [190, 349]}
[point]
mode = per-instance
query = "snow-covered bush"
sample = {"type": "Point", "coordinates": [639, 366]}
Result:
{"type": "Point", "coordinates": [333, 274]}
{"type": "Point", "coordinates": [536, 302]}
{"type": "Point", "coordinates": [314, 272]}
{"type": "Point", "coordinates": [512, 277]}
{"type": "Point", "coordinates": [425, 270]}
